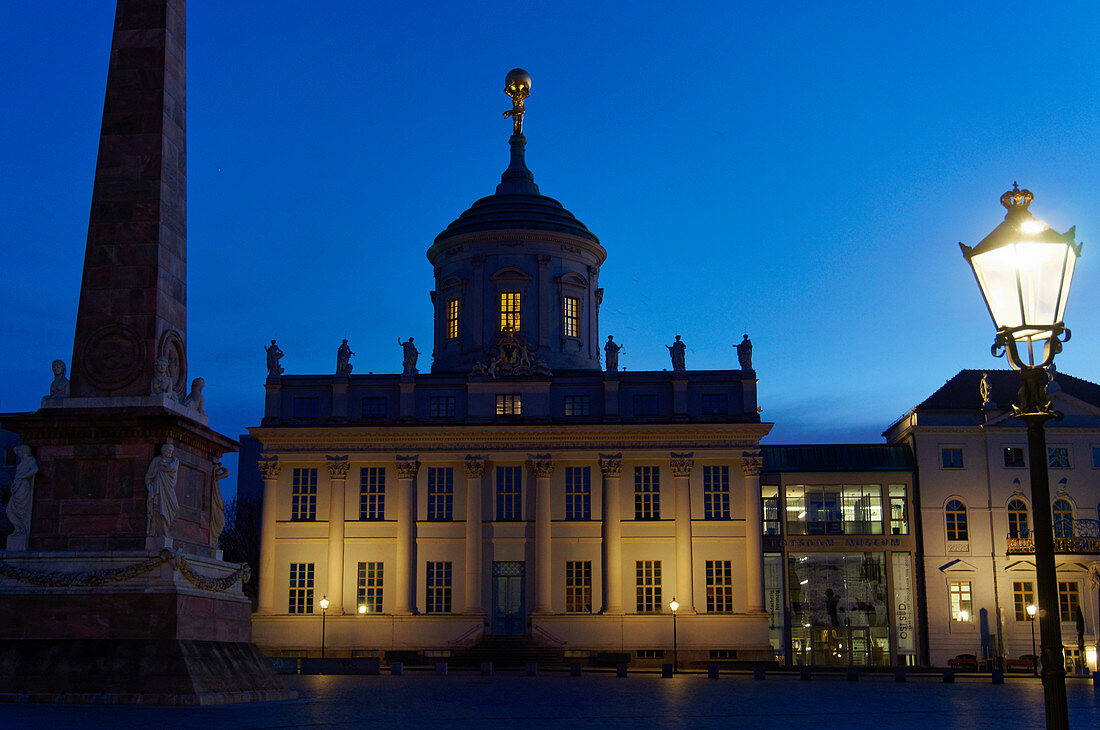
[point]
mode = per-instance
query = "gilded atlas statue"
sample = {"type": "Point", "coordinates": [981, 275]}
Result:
{"type": "Point", "coordinates": [517, 84]}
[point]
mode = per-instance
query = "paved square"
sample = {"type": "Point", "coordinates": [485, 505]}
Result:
{"type": "Point", "coordinates": [600, 701]}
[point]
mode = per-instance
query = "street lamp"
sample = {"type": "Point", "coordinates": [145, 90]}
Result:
{"type": "Point", "coordinates": [1032, 609]}
{"type": "Point", "coordinates": [324, 610]}
{"type": "Point", "coordinates": [1024, 269]}
{"type": "Point", "coordinates": [674, 605]}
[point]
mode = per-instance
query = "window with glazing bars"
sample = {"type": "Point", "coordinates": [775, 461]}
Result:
{"type": "Point", "coordinates": [578, 586]}
{"type": "Point", "coordinates": [899, 521]}
{"type": "Point", "coordinates": [509, 404]}
{"type": "Point", "coordinates": [374, 407]}
{"type": "Point", "coordinates": [438, 593]}
{"type": "Point", "coordinates": [1069, 598]}
{"type": "Point", "coordinates": [955, 514]}
{"type": "Point", "coordinates": [719, 586]}
{"type": "Point", "coordinates": [648, 583]}
{"type": "Point", "coordinates": [1023, 595]}
{"type": "Point", "coordinates": [569, 317]}
{"type": "Point", "coordinates": [716, 492]}
{"type": "Point", "coordinates": [509, 500]}
{"type": "Point", "coordinates": [301, 588]}
{"type": "Point", "coordinates": [645, 405]}
{"type": "Point", "coordinates": [440, 493]}
{"type": "Point", "coordinates": [578, 493]}
{"type": "Point", "coordinates": [1017, 519]}
{"type": "Point", "coordinates": [959, 597]}
{"type": "Point", "coordinates": [578, 405]}
{"type": "Point", "coordinates": [509, 310]}
{"type": "Point", "coordinates": [647, 493]}
{"type": "Point", "coordinates": [715, 404]}
{"type": "Point", "coordinates": [303, 495]}
{"type": "Point", "coordinates": [441, 406]}
{"type": "Point", "coordinates": [369, 592]}
{"type": "Point", "coordinates": [452, 319]}
{"type": "Point", "coordinates": [307, 407]}
{"type": "Point", "coordinates": [1058, 457]}
{"type": "Point", "coordinates": [372, 493]}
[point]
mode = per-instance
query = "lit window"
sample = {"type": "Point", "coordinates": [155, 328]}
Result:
{"type": "Point", "coordinates": [301, 588]}
{"type": "Point", "coordinates": [578, 405]}
{"type": "Point", "coordinates": [441, 406]}
{"type": "Point", "coordinates": [647, 493]}
{"type": "Point", "coordinates": [955, 513]}
{"type": "Point", "coordinates": [374, 407]}
{"type": "Point", "coordinates": [369, 592]}
{"type": "Point", "coordinates": [578, 493]}
{"type": "Point", "coordinates": [962, 607]}
{"type": "Point", "coordinates": [770, 505]}
{"type": "Point", "coordinates": [438, 593]}
{"type": "Point", "coordinates": [1063, 518]}
{"type": "Point", "coordinates": [648, 586]}
{"type": "Point", "coordinates": [509, 404]}
{"type": "Point", "coordinates": [1023, 595]}
{"type": "Point", "coordinates": [307, 407]}
{"type": "Point", "coordinates": [569, 317]}
{"type": "Point", "coordinates": [1058, 457]}
{"type": "Point", "coordinates": [303, 495]}
{"type": "Point", "coordinates": [1014, 457]}
{"type": "Point", "coordinates": [372, 493]}
{"type": "Point", "coordinates": [645, 405]}
{"type": "Point", "coordinates": [578, 586]}
{"type": "Point", "coordinates": [440, 493]}
{"type": "Point", "coordinates": [509, 496]}
{"type": "Point", "coordinates": [719, 586]}
{"type": "Point", "coordinates": [509, 310]}
{"type": "Point", "coordinates": [952, 457]}
{"type": "Point", "coordinates": [899, 522]}
{"type": "Point", "coordinates": [1017, 519]}
{"type": "Point", "coordinates": [715, 404]}
{"type": "Point", "coordinates": [452, 319]}
{"type": "Point", "coordinates": [1069, 600]}
{"type": "Point", "coordinates": [716, 492]}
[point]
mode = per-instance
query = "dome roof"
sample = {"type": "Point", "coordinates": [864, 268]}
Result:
{"type": "Point", "coordinates": [517, 204]}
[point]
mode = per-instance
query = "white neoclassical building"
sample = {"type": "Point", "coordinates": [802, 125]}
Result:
{"type": "Point", "coordinates": [519, 488]}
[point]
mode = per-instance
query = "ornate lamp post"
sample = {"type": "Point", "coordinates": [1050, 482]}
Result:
{"type": "Point", "coordinates": [324, 610]}
{"type": "Point", "coordinates": [674, 605]}
{"type": "Point", "coordinates": [1031, 611]}
{"type": "Point", "coordinates": [1024, 269]}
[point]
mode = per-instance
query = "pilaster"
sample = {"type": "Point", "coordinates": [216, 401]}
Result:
{"type": "Point", "coordinates": [611, 468]}
{"type": "Point", "coordinates": [338, 475]}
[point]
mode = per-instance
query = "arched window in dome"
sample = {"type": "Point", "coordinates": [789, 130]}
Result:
{"type": "Point", "coordinates": [1017, 519]}
{"type": "Point", "coordinates": [955, 513]}
{"type": "Point", "coordinates": [1063, 518]}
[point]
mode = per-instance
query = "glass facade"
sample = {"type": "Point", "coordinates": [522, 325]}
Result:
{"type": "Point", "coordinates": [842, 509]}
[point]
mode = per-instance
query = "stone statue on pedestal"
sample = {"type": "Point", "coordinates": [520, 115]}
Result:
{"type": "Point", "coordinates": [162, 381]}
{"type": "Point", "coordinates": [160, 485]}
{"type": "Point", "coordinates": [744, 353]}
{"type": "Point", "coordinates": [611, 354]}
{"type": "Point", "coordinates": [408, 362]}
{"type": "Point", "coordinates": [343, 359]}
{"type": "Point", "coordinates": [274, 354]}
{"type": "Point", "coordinates": [59, 388]}
{"type": "Point", "coordinates": [22, 498]}
{"type": "Point", "coordinates": [677, 350]}
{"type": "Point", "coordinates": [217, 504]}
{"type": "Point", "coordinates": [195, 398]}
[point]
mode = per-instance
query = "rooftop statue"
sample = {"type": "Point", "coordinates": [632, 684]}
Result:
{"type": "Point", "coordinates": [744, 353]}
{"type": "Point", "coordinates": [343, 359]}
{"type": "Point", "coordinates": [59, 388]}
{"type": "Point", "coordinates": [677, 350]}
{"type": "Point", "coordinates": [195, 398]}
{"type": "Point", "coordinates": [517, 84]}
{"type": "Point", "coordinates": [274, 354]}
{"type": "Point", "coordinates": [408, 361]}
{"type": "Point", "coordinates": [611, 351]}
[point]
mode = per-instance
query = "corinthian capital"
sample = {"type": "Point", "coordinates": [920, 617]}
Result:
{"type": "Point", "coordinates": [269, 467]}
{"type": "Point", "coordinates": [475, 467]}
{"type": "Point", "coordinates": [681, 464]}
{"type": "Point", "coordinates": [611, 465]}
{"type": "Point", "coordinates": [407, 466]}
{"type": "Point", "coordinates": [752, 462]}
{"type": "Point", "coordinates": [541, 464]}
{"type": "Point", "coordinates": [338, 466]}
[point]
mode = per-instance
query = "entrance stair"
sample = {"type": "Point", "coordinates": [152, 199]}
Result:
{"type": "Point", "coordinates": [508, 652]}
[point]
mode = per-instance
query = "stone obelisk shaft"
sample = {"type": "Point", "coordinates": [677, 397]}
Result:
{"type": "Point", "coordinates": [133, 294]}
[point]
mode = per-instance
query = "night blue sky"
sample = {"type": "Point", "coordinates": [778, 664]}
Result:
{"type": "Point", "coordinates": [800, 172]}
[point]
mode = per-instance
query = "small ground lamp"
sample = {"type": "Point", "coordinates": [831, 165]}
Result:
{"type": "Point", "coordinates": [324, 609]}
{"type": "Point", "coordinates": [1032, 609]}
{"type": "Point", "coordinates": [674, 606]}
{"type": "Point", "coordinates": [1024, 269]}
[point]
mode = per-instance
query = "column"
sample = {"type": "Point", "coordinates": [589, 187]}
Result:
{"type": "Point", "coordinates": [475, 470]}
{"type": "Point", "coordinates": [269, 470]}
{"type": "Point", "coordinates": [751, 464]}
{"type": "Point", "coordinates": [334, 586]}
{"type": "Point", "coordinates": [542, 466]}
{"type": "Point", "coordinates": [405, 547]}
{"type": "Point", "coordinates": [681, 465]}
{"type": "Point", "coordinates": [611, 466]}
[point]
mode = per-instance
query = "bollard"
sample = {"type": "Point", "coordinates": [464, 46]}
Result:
{"type": "Point", "coordinates": [949, 676]}
{"type": "Point", "coordinates": [620, 670]}
{"type": "Point", "coordinates": [806, 674]}
{"type": "Point", "coordinates": [998, 676]}
{"type": "Point", "coordinates": [758, 672]}
{"type": "Point", "coordinates": [575, 669]}
{"type": "Point", "coordinates": [486, 669]}
{"type": "Point", "coordinates": [397, 668]}
{"type": "Point", "coordinates": [666, 671]}
{"type": "Point", "coordinates": [899, 674]}
{"type": "Point", "coordinates": [712, 671]}
{"type": "Point", "coordinates": [853, 674]}
{"type": "Point", "coordinates": [441, 669]}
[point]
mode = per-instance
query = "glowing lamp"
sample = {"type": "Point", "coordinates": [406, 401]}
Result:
{"type": "Point", "coordinates": [324, 603]}
{"type": "Point", "coordinates": [362, 608]}
{"type": "Point", "coordinates": [674, 605]}
{"type": "Point", "coordinates": [1032, 610]}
